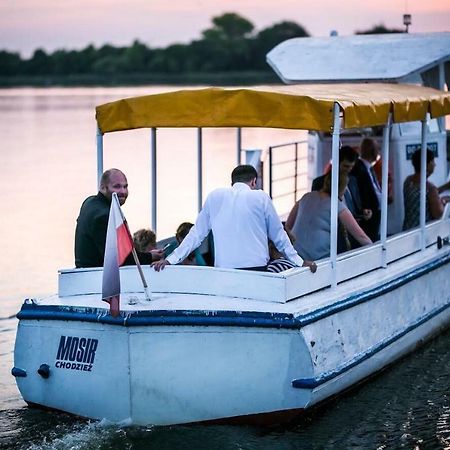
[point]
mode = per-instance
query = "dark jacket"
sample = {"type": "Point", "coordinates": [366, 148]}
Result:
{"type": "Point", "coordinates": [90, 234]}
{"type": "Point", "coordinates": [369, 200]}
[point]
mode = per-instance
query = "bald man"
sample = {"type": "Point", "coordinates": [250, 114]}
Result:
{"type": "Point", "coordinates": [92, 223]}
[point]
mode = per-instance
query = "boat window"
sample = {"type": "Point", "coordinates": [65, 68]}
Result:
{"type": "Point", "coordinates": [410, 128]}
{"type": "Point", "coordinates": [433, 126]}
{"type": "Point", "coordinates": [414, 128]}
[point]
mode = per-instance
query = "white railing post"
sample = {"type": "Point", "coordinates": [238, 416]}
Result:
{"type": "Point", "coordinates": [154, 180]}
{"type": "Point", "coordinates": [99, 156]}
{"type": "Point", "coordinates": [334, 192]}
{"type": "Point", "coordinates": [441, 120]}
{"type": "Point", "coordinates": [384, 189]}
{"type": "Point", "coordinates": [423, 180]}
{"type": "Point", "coordinates": [238, 145]}
{"type": "Point", "coordinates": [199, 169]}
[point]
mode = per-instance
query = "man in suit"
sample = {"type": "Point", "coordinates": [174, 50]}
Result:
{"type": "Point", "coordinates": [369, 187]}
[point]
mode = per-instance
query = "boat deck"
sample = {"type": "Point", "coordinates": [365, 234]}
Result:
{"type": "Point", "coordinates": [223, 302]}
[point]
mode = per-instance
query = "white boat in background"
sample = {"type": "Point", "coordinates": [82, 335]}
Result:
{"type": "Point", "coordinates": [224, 344]}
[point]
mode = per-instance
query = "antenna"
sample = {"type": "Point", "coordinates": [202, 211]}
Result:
{"type": "Point", "coordinates": [406, 21]}
{"type": "Point", "coordinates": [406, 17]}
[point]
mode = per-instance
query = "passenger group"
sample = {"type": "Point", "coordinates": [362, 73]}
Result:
{"type": "Point", "coordinates": [243, 230]}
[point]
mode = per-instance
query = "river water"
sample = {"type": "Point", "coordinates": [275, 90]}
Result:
{"type": "Point", "coordinates": [48, 161]}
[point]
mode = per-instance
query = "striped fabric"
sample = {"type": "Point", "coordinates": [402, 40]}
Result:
{"type": "Point", "coordinates": [279, 265]}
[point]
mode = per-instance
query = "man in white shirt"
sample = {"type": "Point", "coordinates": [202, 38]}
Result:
{"type": "Point", "coordinates": [242, 219]}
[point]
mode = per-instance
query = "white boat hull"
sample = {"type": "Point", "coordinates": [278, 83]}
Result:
{"type": "Point", "coordinates": [166, 367]}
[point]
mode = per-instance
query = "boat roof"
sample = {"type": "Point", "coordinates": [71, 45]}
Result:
{"type": "Point", "coordinates": [394, 57]}
{"type": "Point", "coordinates": [306, 107]}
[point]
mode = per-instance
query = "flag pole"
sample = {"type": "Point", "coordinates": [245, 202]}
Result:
{"type": "Point", "coordinates": [138, 265]}
{"type": "Point", "coordinates": [133, 251]}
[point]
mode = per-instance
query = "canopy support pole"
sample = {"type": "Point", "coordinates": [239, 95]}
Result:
{"type": "Point", "coordinates": [423, 181]}
{"type": "Point", "coordinates": [384, 189]}
{"type": "Point", "coordinates": [199, 169]}
{"type": "Point", "coordinates": [334, 192]}
{"type": "Point", "coordinates": [441, 120]}
{"type": "Point", "coordinates": [99, 156]}
{"type": "Point", "coordinates": [238, 145]}
{"type": "Point", "coordinates": [154, 180]}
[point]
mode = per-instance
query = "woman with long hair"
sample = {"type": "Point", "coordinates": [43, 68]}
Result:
{"type": "Point", "coordinates": [434, 204]}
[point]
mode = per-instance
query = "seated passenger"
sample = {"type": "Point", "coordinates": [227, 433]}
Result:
{"type": "Point", "coordinates": [434, 206]}
{"type": "Point", "coordinates": [144, 240]}
{"type": "Point", "coordinates": [347, 159]}
{"type": "Point", "coordinates": [378, 169]}
{"type": "Point", "coordinates": [310, 220]}
{"type": "Point", "coordinates": [278, 263]}
{"type": "Point", "coordinates": [195, 258]}
{"type": "Point", "coordinates": [368, 186]}
{"type": "Point", "coordinates": [92, 223]}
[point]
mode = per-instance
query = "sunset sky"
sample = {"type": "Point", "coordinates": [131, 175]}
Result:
{"type": "Point", "coordinates": [72, 24]}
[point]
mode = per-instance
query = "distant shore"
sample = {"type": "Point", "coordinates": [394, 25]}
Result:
{"type": "Point", "coordinates": [235, 78]}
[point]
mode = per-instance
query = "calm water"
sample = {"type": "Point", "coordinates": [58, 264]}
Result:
{"type": "Point", "coordinates": [48, 161]}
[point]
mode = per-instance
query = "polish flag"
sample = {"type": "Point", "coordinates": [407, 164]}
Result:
{"type": "Point", "coordinates": [118, 246]}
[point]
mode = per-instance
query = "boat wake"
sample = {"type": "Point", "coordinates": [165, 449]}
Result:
{"type": "Point", "coordinates": [73, 434]}
{"type": "Point", "coordinates": [92, 435]}
{"type": "Point", "coordinates": [443, 427]}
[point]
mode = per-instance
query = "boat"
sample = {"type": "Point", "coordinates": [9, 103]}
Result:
{"type": "Point", "coordinates": [217, 344]}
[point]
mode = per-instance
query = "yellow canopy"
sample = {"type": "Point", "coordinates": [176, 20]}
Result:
{"type": "Point", "coordinates": [306, 107]}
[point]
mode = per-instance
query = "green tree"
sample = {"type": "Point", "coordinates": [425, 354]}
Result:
{"type": "Point", "coordinates": [88, 56]}
{"type": "Point", "coordinates": [39, 64]}
{"type": "Point", "coordinates": [380, 29]}
{"type": "Point", "coordinates": [230, 44]}
{"type": "Point", "coordinates": [109, 50]}
{"type": "Point", "coordinates": [107, 65]}
{"type": "Point", "coordinates": [70, 62]}
{"type": "Point", "coordinates": [172, 59]}
{"type": "Point", "coordinates": [231, 26]}
{"type": "Point", "coordinates": [269, 37]}
{"type": "Point", "coordinates": [135, 58]}
{"type": "Point", "coordinates": [225, 46]}
{"type": "Point", "coordinates": [108, 60]}
{"type": "Point", "coordinates": [178, 58]}
{"type": "Point", "coordinates": [9, 63]}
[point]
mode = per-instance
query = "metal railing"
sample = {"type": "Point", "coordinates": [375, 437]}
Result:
{"type": "Point", "coordinates": [298, 163]}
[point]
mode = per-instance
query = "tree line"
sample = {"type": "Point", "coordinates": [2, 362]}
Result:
{"type": "Point", "coordinates": [230, 44]}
